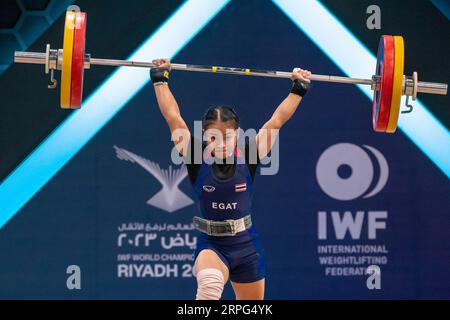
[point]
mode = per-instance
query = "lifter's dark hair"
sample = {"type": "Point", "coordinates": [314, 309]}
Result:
{"type": "Point", "coordinates": [220, 113]}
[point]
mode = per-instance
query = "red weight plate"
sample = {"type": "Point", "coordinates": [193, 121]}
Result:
{"type": "Point", "coordinates": [385, 71]}
{"type": "Point", "coordinates": [79, 41]}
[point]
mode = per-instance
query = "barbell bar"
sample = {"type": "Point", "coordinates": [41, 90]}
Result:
{"type": "Point", "coordinates": [41, 58]}
{"type": "Point", "coordinates": [389, 83]}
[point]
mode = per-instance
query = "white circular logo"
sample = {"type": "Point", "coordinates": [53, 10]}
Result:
{"type": "Point", "coordinates": [345, 171]}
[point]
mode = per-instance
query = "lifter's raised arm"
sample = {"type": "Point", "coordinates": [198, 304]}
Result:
{"type": "Point", "coordinates": [168, 105]}
{"type": "Point", "coordinates": [266, 137]}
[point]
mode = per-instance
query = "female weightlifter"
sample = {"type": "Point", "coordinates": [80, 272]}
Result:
{"type": "Point", "coordinates": [228, 245]}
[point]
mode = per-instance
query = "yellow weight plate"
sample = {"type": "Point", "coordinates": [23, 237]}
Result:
{"type": "Point", "coordinates": [66, 69]}
{"type": "Point", "coordinates": [398, 84]}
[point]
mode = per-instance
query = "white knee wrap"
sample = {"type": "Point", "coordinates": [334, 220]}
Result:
{"type": "Point", "coordinates": [210, 283]}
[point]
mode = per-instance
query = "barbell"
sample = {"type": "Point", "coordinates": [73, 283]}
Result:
{"type": "Point", "coordinates": [389, 83]}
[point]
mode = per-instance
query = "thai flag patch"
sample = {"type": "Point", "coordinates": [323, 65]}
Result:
{"type": "Point", "coordinates": [241, 187]}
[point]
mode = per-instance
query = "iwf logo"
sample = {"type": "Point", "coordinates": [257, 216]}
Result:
{"type": "Point", "coordinates": [345, 171]}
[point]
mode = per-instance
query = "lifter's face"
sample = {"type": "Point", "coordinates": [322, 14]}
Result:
{"type": "Point", "coordinates": [221, 138]}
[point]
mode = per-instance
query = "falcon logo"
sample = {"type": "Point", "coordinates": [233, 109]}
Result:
{"type": "Point", "coordinates": [209, 188]}
{"type": "Point", "coordinates": [170, 198]}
